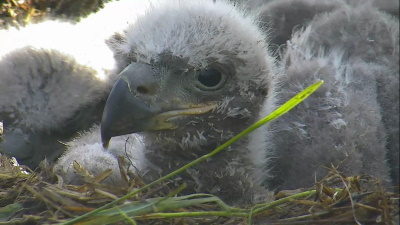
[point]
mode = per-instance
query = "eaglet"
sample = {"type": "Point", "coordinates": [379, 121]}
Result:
{"type": "Point", "coordinates": [189, 75]}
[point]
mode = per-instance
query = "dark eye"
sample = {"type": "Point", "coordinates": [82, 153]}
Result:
{"type": "Point", "coordinates": [210, 79]}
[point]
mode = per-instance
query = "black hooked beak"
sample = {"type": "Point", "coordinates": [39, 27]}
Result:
{"type": "Point", "coordinates": [124, 112]}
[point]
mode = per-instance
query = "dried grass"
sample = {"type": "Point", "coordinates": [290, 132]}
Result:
{"type": "Point", "coordinates": [30, 197]}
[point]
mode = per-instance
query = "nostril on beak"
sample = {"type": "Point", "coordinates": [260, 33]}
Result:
{"type": "Point", "coordinates": [142, 90]}
{"type": "Point", "coordinates": [140, 79]}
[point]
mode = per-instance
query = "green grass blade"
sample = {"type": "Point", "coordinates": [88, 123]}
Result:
{"type": "Point", "coordinates": [7, 211]}
{"type": "Point", "coordinates": [277, 113]}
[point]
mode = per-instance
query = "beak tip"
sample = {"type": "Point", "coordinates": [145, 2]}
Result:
{"type": "Point", "coordinates": [105, 139]}
{"type": "Point", "coordinates": [105, 144]}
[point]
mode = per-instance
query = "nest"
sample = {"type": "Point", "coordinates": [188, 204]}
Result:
{"type": "Point", "coordinates": [41, 197]}
{"type": "Point", "coordinates": [18, 13]}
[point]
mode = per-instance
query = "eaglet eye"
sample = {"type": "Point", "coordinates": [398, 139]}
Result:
{"type": "Point", "coordinates": [210, 79]}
